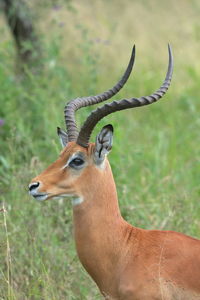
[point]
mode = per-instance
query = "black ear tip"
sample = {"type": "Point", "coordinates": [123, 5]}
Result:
{"type": "Point", "coordinates": [58, 130]}
{"type": "Point", "coordinates": [109, 127]}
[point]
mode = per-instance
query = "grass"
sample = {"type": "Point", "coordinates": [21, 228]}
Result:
{"type": "Point", "coordinates": [156, 153]}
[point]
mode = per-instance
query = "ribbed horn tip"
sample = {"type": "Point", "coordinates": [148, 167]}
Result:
{"type": "Point", "coordinates": [72, 106]}
{"type": "Point", "coordinates": [133, 51]}
{"type": "Point", "coordinates": [98, 114]}
{"type": "Point", "coordinates": [171, 61]}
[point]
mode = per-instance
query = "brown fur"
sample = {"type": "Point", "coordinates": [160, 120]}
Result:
{"type": "Point", "coordinates": [127, 263]}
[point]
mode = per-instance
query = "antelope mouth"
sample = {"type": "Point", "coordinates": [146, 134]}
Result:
{"type": "Point", "coordinates": [40, 197]}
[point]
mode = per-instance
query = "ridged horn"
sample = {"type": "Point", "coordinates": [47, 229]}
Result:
{"type": "Point", "coordinates": [109, 108]}
{"type": "Point", "coordinates": [72, 106]}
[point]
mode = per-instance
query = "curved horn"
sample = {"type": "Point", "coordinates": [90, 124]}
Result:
{"type": "Point", "coordinates": [108, 108]}
{"type": "Point", "coordinates": [75, 104]}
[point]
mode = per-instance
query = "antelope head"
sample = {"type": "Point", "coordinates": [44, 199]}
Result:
{"type": "Point", "coordinates": [81, 162]}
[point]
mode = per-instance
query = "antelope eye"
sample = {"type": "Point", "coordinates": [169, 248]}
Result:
{"type": "Point", "coordinates": [76, 163]}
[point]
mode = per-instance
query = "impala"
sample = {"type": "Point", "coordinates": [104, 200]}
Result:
{"type": "Point", "coordinates": [126, 262]}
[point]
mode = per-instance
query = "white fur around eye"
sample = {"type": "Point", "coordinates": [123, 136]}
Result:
{"type": "Point", "coordinates": [69, 160]}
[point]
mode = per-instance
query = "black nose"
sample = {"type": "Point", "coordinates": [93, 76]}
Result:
{"type": "Point", "coordinates": [33, 185]}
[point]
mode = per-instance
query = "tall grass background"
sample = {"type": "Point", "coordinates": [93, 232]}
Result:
{"type": "Point", "coordinates": [156, 153]}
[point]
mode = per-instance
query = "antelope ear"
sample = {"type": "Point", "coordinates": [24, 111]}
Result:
{"type": "Point", "coordinates": [103, 144]}
{"type": "Point", "coordinates": [63, 137]}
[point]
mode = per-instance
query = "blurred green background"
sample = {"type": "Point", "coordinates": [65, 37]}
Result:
{"type": "Point", "coordinates": [85, 47]}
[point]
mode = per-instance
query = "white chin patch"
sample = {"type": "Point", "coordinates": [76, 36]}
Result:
{"type": "Point", "coordinates": [40, 197]}
{"type": "Point", "coordinates": [77, 201]}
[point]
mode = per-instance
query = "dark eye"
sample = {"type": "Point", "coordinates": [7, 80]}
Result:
{"type": "Point", "coordinates": [76, 163]}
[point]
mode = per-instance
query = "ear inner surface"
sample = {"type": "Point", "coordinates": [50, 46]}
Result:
{"type": "Point", "coordinates": [103, 144]}
{"type": "Point", "coordinates": [63, 136]}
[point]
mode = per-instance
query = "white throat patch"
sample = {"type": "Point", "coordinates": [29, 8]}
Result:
{"type": "Point", "coordinates": [77, 201]}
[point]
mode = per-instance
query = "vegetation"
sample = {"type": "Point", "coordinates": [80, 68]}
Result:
{"type": "Point", "coordinates": [156, 153]}
{"type": "Point", "coordinates": [19, 20]}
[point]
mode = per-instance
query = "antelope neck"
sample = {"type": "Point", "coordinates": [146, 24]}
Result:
{"type": "Point", "coordinates": [99, 229]}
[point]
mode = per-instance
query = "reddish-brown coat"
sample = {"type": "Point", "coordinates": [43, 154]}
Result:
{"type": "Point", "coordinates": [127, 263]}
